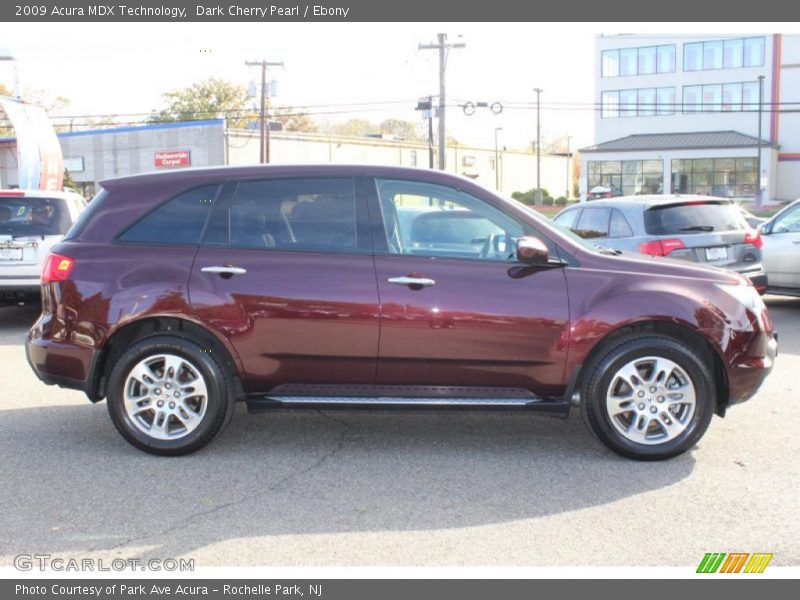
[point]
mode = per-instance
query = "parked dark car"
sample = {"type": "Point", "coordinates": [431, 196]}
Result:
{"type": "Point", "coordinates": [700, 229]}
{"type": "Point", "coordinates": [177, 294]}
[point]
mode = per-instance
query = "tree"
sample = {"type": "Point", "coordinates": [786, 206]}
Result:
{"type": "Point", "coordinates": [294, 121]}
{"type": "Point", "coordinates": [209, 99]}
{"type": "Point", "coordinates": [70, 183]}
{"type": "Point", "coordinates": [405, 130]}
{"type": "Point", "coordinates": [5, 126]}
{"type": "Point", "coordinates": [353, 128]}
{"type": "Point", "coordinates": [576, 174]}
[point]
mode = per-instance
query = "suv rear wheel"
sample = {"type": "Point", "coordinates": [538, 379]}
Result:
{"type": "Point", "coordinates": [168, 396]}
{"type": "Point", "coordinates": [649, 398]}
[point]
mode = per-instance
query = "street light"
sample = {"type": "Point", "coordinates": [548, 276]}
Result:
{"type": "Point", "coordinates": [496, 160]}
{"type": "Point", "coordinates": [6, 55]}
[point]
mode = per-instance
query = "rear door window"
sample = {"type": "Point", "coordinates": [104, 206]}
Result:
{"type": "Point", "coordinates": [593, 223]}
{"type": "Point", "coordinates": [177, 221]}
{"type": "Point", "coordinates": [693, 217]}
{"type": "Point", "coordinates": [295, 214]}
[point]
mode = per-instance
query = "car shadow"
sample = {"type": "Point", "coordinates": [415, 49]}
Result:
{"type": "Point", "coordinates": [72, 486]}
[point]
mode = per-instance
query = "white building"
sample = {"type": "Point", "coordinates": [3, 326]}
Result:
{"type": "Point", "coordinates": [681, 115]}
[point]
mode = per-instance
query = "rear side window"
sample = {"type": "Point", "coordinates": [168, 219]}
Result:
{"type": "Point", "coordinates": [83, 220]}
{"type": "Point", "coordinates": [694, 217]}
{"type": "Point", "coordinates": [178, 221]}
{"type": "Point", "coordinates": [619, 227]}
{"type": "Point", "coordinates": [295, 214]}
{"type": "Point", "coordinates": [593, 223]}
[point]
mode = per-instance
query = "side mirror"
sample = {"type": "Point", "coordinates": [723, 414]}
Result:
{"type": "Point", "coordinates": [532, 250]}
{"type": "Point", "coordinates": [765, 228]}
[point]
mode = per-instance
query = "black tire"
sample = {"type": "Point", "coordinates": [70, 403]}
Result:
{"type": "Point", "coordinates": [601, 374]}
{"type": "Point", "coordinates": [219, 403]}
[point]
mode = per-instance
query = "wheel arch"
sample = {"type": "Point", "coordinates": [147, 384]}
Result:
{"type": "Point", "coordinates": [668, 328]}
{"type": "Point", "coordinates": [126, 335]}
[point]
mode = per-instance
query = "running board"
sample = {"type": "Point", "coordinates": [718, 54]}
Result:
{"type": "Point", "coordinates": [546, 406]}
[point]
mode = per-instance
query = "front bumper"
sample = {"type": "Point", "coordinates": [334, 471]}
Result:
{"type": "Point", "coordinates": [748, 373]}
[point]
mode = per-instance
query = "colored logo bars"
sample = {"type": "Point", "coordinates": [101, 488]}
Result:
{"type": "Point", "coordinates": [734, 562]}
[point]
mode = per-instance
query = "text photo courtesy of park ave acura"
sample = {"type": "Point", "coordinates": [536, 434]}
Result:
{"type": "Point", "coordinates": [286, 301]}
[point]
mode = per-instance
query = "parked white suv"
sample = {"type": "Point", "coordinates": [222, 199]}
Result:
{"type": "Point", "coordinates": [31, 222]}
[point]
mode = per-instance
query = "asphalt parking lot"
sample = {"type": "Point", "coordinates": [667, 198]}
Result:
{"type": "Point", "coordinates": [382, 488]}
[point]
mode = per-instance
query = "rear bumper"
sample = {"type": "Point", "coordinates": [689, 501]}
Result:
{"type": "Point", "coordinates": [748, 373]}
{"type": "Point", "coordinates": [62, 364]}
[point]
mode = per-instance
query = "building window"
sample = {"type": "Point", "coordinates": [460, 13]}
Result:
{"type": "Point", "coordinates": [627, 177]}
{"type": "Point", "coordinates": [723, 177]}
{"type": "Point", "coordinates": [644, 102]}
{"type": "Point", "coordinates": [609, 102]}
{"type": "Point", "coordinates": [724, 54]}
{"type": "Point", "coordinates": [730, 97]}
{"type": "Point", "coordinates": [627, 103]}
{"type": "Point", "coordinates": [647, 60]}
{"type": "Point", "coordinates": [665, 101]}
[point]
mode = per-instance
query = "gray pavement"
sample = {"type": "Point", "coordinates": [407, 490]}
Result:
{"type": "Point", "coordinates": [383, 488]}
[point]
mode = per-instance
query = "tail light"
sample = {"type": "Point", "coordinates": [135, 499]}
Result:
{"type": "Point", "coordinates": [753, 237]}
{"type": "Point", "coordinates": [661, 247]}
{"type": "Point", "coordinates": [57, 267]}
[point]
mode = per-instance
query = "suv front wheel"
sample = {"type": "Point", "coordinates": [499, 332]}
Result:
{"type": "Point", "coordinates": [168, 396]}
{"type": "Point", "coordinates": [649, 398]}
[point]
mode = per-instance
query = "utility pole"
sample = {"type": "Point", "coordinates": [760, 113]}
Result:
{"type": "Point", "coordinates": [264, 112]}
{"type": "Point", "coordinates": [569, 137]}
{"type": "Point", "coordinates": [442, 46]}
{"type": "Point", "coordinates": [496, 160]}
{"type": "Point", "coordinates": [758, 160]}
{"type": "Point", "coordinates": [538, 194]}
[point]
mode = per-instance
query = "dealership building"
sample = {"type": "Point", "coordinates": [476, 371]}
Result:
{"type": "Point", "coordinates": [683, 115]}
{"type": "Point", "coordinates": [93, 155]}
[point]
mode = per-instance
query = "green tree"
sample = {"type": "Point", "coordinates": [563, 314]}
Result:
{"type": "Point", "coordinates": [353, 128]}
{"type": "Point", "coordinates": [405, 130]}
{"type": "Point", "coordinates": [70, 183]}
{"type": "Point", "coordinates": [294, 121]}
{"type": "Point", "coordinates": [209, 99]}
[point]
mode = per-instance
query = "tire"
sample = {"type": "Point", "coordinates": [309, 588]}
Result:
{"type": "Point", "coordinates": [167, 396]}
{"type": "Point", "coordinates": [649, 398]}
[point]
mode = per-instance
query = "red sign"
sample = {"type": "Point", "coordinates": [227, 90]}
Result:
{"type": "Point", "coordinates": [172, 158]}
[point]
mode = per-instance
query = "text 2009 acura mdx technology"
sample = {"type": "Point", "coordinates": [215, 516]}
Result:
{"type": "Point", "coordinates": [322, 286]}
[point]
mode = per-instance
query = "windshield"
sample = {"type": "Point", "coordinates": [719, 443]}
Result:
{"type": "Point", "coordinates": [23, 216]}
{"type": "Point", "coordinates": [694, 217]}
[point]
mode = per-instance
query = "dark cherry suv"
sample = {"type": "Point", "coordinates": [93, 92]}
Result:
{"type": "Point", "coordinates": [328, 286]}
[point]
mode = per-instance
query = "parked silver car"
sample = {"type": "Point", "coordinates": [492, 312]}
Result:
{"type": "Point", "coordinates": [781, 235]}
{"type": "Point", "coordinates": [701, 229]}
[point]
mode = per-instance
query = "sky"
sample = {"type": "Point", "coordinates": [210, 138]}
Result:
{"type": "Point", "coordinates": [119, 68]}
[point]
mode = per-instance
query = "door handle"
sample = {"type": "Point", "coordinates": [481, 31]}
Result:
{"type": "Point", "coordinates": [224, 271]}
{"type": "Point", "coordinates": [420, 281]}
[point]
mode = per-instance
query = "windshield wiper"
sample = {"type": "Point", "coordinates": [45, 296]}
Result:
{"type": "Point", "coordinates": [698, 228]}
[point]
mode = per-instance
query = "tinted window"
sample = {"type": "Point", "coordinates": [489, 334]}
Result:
{"type": "Point", "coordinates": [619, 227]}
{"type": "Point", "coordinates": [431, 220]}
{"type": "Point", "coordinates": [22, 216]}
{"type": "Point", "coordinates": [295, 214]}
{"type": "Point", "coordinates": [693, 218]}
{"type": "Point", "coordinates": [178, 221]}
{"type": "Point", "coordinates": [593, 223]}
{"type": "Point", "coordinates": [86, 216]}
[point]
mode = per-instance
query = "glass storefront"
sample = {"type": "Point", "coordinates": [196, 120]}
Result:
{"type": "Point", "coordinates": [724, 177]}
{"type": "Point", "coordinates": [627, 177]}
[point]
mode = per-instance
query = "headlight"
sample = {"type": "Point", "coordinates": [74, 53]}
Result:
{"type": "Point", "coordinates": [745, 295]}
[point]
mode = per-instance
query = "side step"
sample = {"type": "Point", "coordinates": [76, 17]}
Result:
{"type": "Point", "coordinates": [546, 406]}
